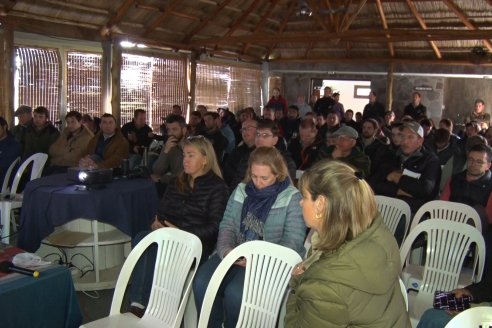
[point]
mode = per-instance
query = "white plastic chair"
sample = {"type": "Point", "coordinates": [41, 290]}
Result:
{"type": "Point", "coordinates": [6, 180]}
{"type": "Point", "coordinates": [451, 211]}
{"type": "Point", "coordinates": [177, 260]}
{"type": "Point", "coordinates": [13, 199]}
{"type": "Point", "coordinates": [447, 247]}
{"type": "Point", "coordinates": [268, 271]}
{"type": "Point", "coordinates": [404, 292]}
{"type": "Point", "coordinates": [392, 211]}
{"type": "Point", "coordinates": [480, 316]}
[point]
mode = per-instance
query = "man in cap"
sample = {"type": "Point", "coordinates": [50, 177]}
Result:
{"type": "Point", "coordinates": [24, 115]}
{"type": "Point", "coordinates": [415, 173]}
{"type": "Point", "coordinates": [346, 150]}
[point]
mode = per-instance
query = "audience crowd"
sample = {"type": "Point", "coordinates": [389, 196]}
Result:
{"type": "Point", "coordinates": [231, 178]}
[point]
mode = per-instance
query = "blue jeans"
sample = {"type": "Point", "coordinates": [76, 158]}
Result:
{"type": "Point", "coordinates": [433, 318]}
{"type": "Point", "coordinates": [227, 303]}
{"type": "Point", "coordinates": [143, 273]}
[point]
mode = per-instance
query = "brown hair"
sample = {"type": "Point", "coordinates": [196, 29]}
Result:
{"type": "Point", "coordinates": [271, 157]}
{"type": "Point", "coordinates": [350, 205]}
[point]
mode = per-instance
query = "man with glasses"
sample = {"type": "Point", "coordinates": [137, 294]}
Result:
{"type": "Point", "coordinates": [414, 175]}
{"type": "Point", "coordinates": [236, 164]}
{"type": "Point", "coordinates": [474, 185]}
{"type": "Point", "coordinates": [267, 135]}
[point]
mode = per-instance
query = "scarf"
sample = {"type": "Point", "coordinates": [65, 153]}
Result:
{"type": "Point", "coordinates": [256, 208]}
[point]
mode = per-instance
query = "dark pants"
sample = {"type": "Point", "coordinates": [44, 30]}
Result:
{"type": "Point", "coordinates": [227, 303]}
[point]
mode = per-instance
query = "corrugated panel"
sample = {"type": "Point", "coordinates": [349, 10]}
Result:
{"type": "Point", "coordinates": [38, 78]}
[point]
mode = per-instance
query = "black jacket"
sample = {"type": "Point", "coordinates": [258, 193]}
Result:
{"type": "Point", "coordinates": [236, 165]}
{"type": "Point", "coordinates": [197, 211]}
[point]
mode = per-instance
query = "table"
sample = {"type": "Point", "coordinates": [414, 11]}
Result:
{"type": "Point", "coordinates": [128, 204]}
{"type": "Point", "coordinates": [48, 301]}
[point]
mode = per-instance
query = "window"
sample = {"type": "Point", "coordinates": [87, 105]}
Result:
{"type": "Point", "coordinates": [234, 87]}
{"type": "Point", "coordinates": [152, 84]}
{"type": "Point", "coordinates": [37, 78]}
{"type": "Point", "coordinates": [84, 83]}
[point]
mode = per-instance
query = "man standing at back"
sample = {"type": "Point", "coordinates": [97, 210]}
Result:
{"type": "Point", "coordinates": [107, 148]}
{"type": "Point", "coordinates": [374, 109]}
{"type": "Point", "coordinates": [415, 109]}
{"type": "Point", "coordinates": [40, 135]}
{"type": "Point", "coordinates": [479, 115]}
{"type": "Point", "coordinates": [324, 105]}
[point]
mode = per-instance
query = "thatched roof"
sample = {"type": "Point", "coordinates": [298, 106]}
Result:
{"type": "Point", "coordinates": [454, 31]}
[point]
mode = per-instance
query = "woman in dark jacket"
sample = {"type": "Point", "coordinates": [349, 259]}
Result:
{"type": "Point", "coordinates": [195, 202]}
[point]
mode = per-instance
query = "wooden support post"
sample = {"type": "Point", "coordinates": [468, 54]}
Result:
{"type": "Point", "coordinates": [192, 85]}
{"type": "Point", "coordinates": [106, 76]}
{"type": "Point", "coordinates": [116, 62]}
{"type": "Point", "coordinates": [389, 87]}
{"type": "Point", "coordinates": [7, 70]}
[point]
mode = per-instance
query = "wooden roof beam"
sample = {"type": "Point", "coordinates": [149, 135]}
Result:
{"type": "Point", "coordinates": [261, 22]}
{"type": "Point", "coordinates": [204, 22]}
{"type": "Point", "coordinates": [281, 28]}
{"type": "Point", "coordinates": [120, 13]}
{"type": "Point", "coordinates": [4, 10]}
{"type": "Point", "coordinates": [167, 12]}
{"type": "Point", "coordinates": [347, 21]}
{"type": "Point", "coordinates": [420, 20]}
{"type": "Point", "coordinates": [317, 18]}
{"type": "Point", "coordinates": [469, 24]}
{"type": "Point", "coordinates": [385, 27]}
{"type": "Point", "coordinates": [361, 36]}
{"type": "Point", "coordinates": [245, 14]}
{"type": "Point", "coordinates": [330, 16]}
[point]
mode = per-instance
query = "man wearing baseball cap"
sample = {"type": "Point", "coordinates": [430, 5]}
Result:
{"type": "Point", "coordinates": [24, 115]}
{"type": "Point", "coordinates": [415, 173]}
{"type": "Point", "coordinates": [346, 150]}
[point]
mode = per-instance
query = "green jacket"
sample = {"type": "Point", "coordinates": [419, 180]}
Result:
{"type": "Point", "coordinates": [356, 158]}
{"type": "Point", "coordinates": [354, 286]}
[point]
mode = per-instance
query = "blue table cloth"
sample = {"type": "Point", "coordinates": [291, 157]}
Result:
{"type": "Point", "coordinates": [49, 301]}
{"type": "Point", "coordinates": [129, 205]}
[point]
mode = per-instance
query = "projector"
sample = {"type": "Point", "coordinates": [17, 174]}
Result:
{"type": "Point", "coordinates": [90, 176]}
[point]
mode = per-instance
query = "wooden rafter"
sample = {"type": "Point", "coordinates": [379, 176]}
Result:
{"type": "Point", "coordinates": [241, 18]}
{"type": "Point", "coordinates": [120, 13]}
{"type": "Point", "coordinates": [262, 21]}
{"type": "Point", "coordinates": [282, 27]}
{"type": "Point", "coordinates": [385, 26]}
{"type": "Point", "coordinates": [204, 22]}
{"type": "Point", "coordinates": [316, 16]}
{"type": "Point", "coordinates": [166, 13]}
{"type": "Point", "coordinates": [308, 49]}
{"type": "Point", "coordinates": [5, 9]}
{"type": "Point", "coordinates": [330, 16]}
{"type": "Point", "coordinates": [469, 24]}
{"type": "Point", "coordinates": [346, 23]}
{"type": "Point", "coordinates": [366, 35]}
{"type": "Point", "coordinates": [420, 20]}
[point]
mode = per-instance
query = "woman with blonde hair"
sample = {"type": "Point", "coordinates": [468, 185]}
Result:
{"type": "Point", "coordinates": [264, 207]}
{"type": "Point", "coordinates": [351, 275]}
{"type": "Point", "coordinates": [195, 202]}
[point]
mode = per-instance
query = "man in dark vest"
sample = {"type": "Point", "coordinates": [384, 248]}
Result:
{"type": "Point", "coordinates": [474, 185]}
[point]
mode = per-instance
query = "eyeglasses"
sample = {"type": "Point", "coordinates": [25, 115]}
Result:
{"type": "Point", "coordinates": [475, 161]}
{"type": "Point", "coordinates": [247, 128]}
{"type": "Point", "coordinates": [264, 135]}
{"type": "Point", "coordinates": [191, 138]}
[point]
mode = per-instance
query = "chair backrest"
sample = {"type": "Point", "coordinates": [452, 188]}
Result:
{"type": "Point", "coordinates": [480, 316]}
{"type": "Point", "coordinates": [404, 292]}
{"type": "Point", "coordinates": [268, 271]}
{"type": "Point", "coordinates": [392, 211]}
{"type": "Point", "coordinates": [447, 247]}
{"type": "Point", "coordinates": [6, 179]}
{"type": "Point", "coordinates": [38, 160]}
{"type": "Point", "coordinates": [178, 256]}
{"type": "Point", "coordinates": [451, 211]}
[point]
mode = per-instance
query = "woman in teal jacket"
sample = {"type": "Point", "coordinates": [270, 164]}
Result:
{"type": "Point", "coordinates": [351, 275]}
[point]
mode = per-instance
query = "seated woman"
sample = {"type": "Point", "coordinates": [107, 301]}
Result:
{"type": "Point", "coordinates": [264, 207]}
{"type": "Point", "coordinates": [350, 277]}
{"type": "Point", "coordinates": [194, 201]}
{"type": "Point", "coordinates": [67, 150]}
